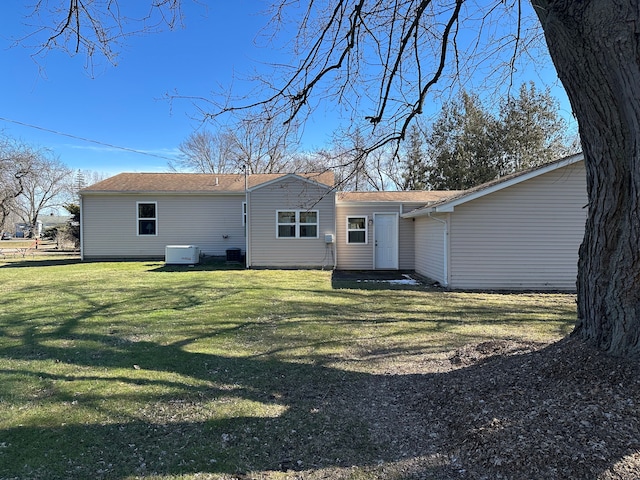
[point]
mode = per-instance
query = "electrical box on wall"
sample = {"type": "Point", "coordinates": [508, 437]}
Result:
{"type": "Point", "coordinates": [328, 238]}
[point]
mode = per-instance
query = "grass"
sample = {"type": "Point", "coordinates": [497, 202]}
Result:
{"type": "Point", "coordinates": [137, 370]}
{"type": "Point", "coordinates": [17, 243]}
{"type": "Point", "coordinates": [26, 249]}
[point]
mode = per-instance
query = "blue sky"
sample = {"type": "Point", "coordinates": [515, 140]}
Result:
{"type": "Point", "coordinates": [125, 105]}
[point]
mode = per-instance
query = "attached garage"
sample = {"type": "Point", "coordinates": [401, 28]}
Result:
{"type": "Point", "coordinates": [520, 232]}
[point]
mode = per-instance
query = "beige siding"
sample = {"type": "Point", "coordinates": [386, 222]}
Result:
{"type": "Point", "coordinates": [109, 224]}
{"type": "Point", "coordinates": [361, 256]}
{"type": "Point", "coordinates": [522, 237]}
{"type": "Point", "coordinates": [407, 250]}
{"type": "Point", "coordinates": [430, 242]}
{"type": "Point", "coordinates": [353, 256]}
{"type": "Point", "coordinates": [266, 250]}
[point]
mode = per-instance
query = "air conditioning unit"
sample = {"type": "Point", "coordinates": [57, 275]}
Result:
{"type": "Point", "coordinates": [181, 254]}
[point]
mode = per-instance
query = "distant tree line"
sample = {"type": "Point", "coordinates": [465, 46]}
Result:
{"type": "Point", "coordinates": [469, 144]}
{"type": "Point", "coordinates": [466, 145]}
{"type": "Point", "coordinates": [32, 181]}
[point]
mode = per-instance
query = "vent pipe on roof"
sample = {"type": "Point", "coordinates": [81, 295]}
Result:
{"type": "Point", "coordinates": [216, 181]}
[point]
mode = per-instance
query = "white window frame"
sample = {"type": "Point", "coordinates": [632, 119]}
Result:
{"type": "Point", "coordinates": [365, 230]}
{"type": "Point", "coordinates": [244, 214]}
{"type": "Point", "coordinates": [139, 218]}
{"type": "Point", "coordinates": [297, 224]}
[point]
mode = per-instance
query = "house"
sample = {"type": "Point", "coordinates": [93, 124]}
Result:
{"type": "Point", "coordinates": [23, 229]}
{"type": "Point", "coordinates": [371, 232]}
{"type": "Point", "coordinates": [521, 231]}
{"type": "Point", "coordinates": [136, 215]}
{"type": "Point", "coordinates": [518, 232]}
{"type": "Point", "coordinates": [51, 221]}
{"type": "Point", "coordinates": [290, 222]}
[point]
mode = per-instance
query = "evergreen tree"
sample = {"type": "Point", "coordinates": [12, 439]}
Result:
{"type": "Point", "coordinates": [462, 146]}
{"type": "Point", "coordinates": [468, 145]}
{"type": "Point", "coordinates": [531, 131]}
{"type": "Point", "coordinates": [80, 183]}
{"type": "Point", "coordinates": [72, 229]}
{"type": "Point", "coordinates": [415, 176]}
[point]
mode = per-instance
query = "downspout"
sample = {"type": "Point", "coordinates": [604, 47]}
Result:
{"type": "Point", "coordinates": [334, 247]}
{"type": "Point", "coordinates": [247, 225]}
{"type": "Point", "coordinates": [445, 248]}
{"type": "Point", "coordinates": [81, 230]}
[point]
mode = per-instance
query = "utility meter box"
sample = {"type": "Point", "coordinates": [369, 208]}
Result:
{"type": "Point", "coordinates": [328, 238]}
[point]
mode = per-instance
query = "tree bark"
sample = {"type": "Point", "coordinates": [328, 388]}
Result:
{"type": "Point", "coordinates": [595, 48]}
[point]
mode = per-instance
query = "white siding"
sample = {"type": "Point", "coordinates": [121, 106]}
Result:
{"type": "Point", "coordinates": [359, 256]}
{"type": "Point", "coordinates": [430, 241]}
{"type": "Point", "coordinates": [109, 224]}
{"type": "Point", "coordinates": [522, 237]}
{"type": "Point", "coordinates": [266, 250]}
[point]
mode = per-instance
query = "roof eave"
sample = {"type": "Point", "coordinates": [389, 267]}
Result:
{"type": "Point", "coordinates": [448, 206]}
{"type": "Point", "coordinates": [364, 203]}
{"type": "Point", "coordinates": [158, 192]}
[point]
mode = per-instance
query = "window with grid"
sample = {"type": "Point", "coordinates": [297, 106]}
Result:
{"type": "Point", "coordinates": [356, 229]}
{"type": "Point", "coordinates": [297, 224]}
{"type": "Point", "coordinates": [147, 218]}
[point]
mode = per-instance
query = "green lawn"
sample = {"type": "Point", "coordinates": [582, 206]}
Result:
{"type": "Point", "coordinates": [137, 370]}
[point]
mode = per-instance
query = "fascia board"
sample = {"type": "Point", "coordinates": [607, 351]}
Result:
{"type": "Point", "coordinates": [376, 203]}
{"type": "Point", "coordinates": [113, 193]}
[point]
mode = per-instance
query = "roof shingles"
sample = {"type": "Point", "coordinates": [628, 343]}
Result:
{"type": "Point", "coordinates": [414, 196]}
{"type": "Point", "coordinates": [192, 182]}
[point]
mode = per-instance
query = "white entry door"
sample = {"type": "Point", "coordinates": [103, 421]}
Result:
{"type": "Point", "coordinates": [385, 227]}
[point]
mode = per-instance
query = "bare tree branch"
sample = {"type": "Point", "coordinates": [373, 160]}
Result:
{"type": "Point", "coordinates": [93, 27]}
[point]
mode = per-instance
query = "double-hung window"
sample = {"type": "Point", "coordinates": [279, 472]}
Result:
{"type": "Point", "coordinates": [147, 218]}
{"type": "Point", "coordinates": [308, 224]}
{"type": "Point", "coordinates": [297, 224]}
{"type": "Point", "coordinates": [356, 229]}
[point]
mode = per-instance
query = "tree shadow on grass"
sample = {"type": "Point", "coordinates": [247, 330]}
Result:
{"type": "Point", "coordinates": [98, 404]}
{"type": "Point", "coordinates": [207, 264]}
{"type": "Point", "coordinates": [500, 415]}
{"type": "Point", "coordinates": [50, 261]}
{"type": "Point", "coordinates": [278, 416]}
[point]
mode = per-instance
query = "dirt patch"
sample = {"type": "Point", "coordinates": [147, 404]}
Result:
{"type": "Point", "coordinates": [499, 410]}
{"type": "Point", "coordinates": [514, 410]}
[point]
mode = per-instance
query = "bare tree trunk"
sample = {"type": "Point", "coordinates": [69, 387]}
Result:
{"type": "Point", "coordinates": [595, 46]}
